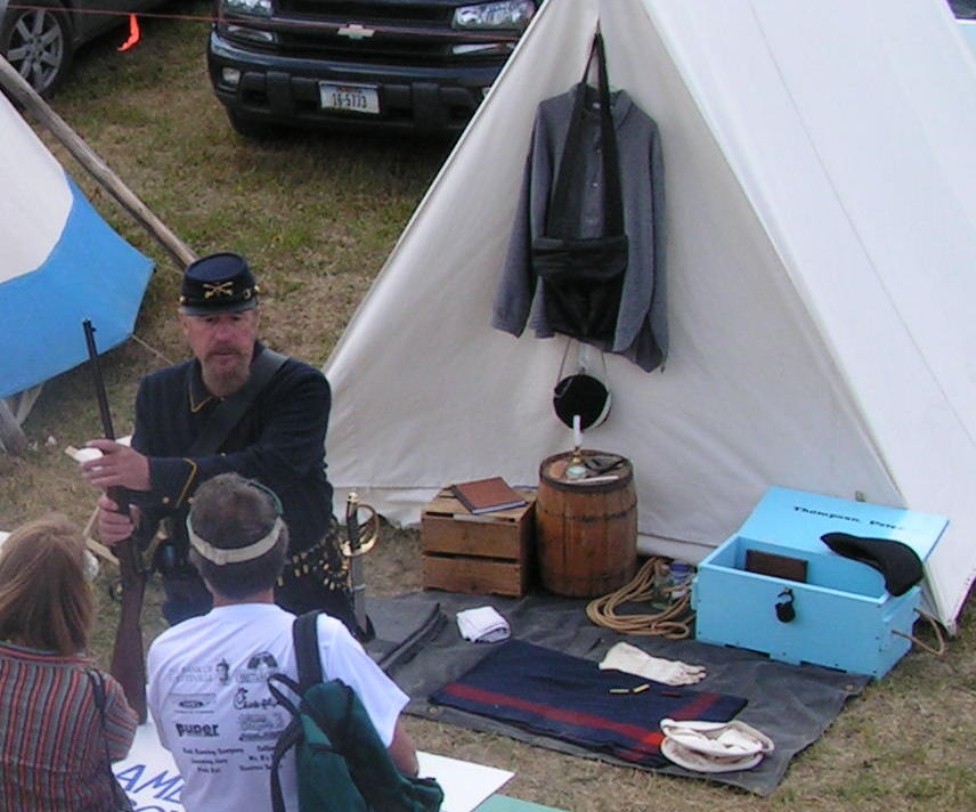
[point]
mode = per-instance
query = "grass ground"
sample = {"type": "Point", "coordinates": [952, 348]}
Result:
{"type": "Point", "coordinates": [317, 215]}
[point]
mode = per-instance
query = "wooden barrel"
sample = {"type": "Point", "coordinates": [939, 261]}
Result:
{"type": "Point", "coordinates": [586, 530]}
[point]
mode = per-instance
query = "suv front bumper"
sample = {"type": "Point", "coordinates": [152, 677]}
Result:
{"type": "Point", "coordinates": [284, 91]}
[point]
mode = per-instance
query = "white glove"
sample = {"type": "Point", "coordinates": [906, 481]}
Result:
{"type": "Point", "coordinates": [625, 657]}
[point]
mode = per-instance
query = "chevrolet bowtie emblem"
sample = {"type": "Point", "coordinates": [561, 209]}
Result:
{"type": "Point", "coordinates": [223, 289]}
{"type": "Point", "coordinates": [356, 31]}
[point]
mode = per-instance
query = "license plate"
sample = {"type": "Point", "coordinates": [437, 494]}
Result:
{"type": "Point", "coordinates": [355, 98]}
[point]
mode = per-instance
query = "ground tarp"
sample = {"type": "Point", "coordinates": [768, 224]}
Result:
{"type": "Point", "coordinates": [791, 704]}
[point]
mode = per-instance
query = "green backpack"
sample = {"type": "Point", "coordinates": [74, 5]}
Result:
{"type": "Point", "coordinates": [343, 765]}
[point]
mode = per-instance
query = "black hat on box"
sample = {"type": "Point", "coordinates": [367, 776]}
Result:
{"type": "Point", "coordinates": [895, 560]}
{"type": "Point", "coordinates": [218, 283]}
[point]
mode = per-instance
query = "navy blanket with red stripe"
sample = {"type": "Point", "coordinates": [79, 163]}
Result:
{"type": "Point", "coordinates": [570, 698]}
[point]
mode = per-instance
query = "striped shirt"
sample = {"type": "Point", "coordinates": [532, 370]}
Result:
{"type": "Point", "coordinates": [52, 743]}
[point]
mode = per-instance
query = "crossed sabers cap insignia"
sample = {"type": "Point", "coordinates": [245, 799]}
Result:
{"type": "Point", "coordinates": [221, 289]}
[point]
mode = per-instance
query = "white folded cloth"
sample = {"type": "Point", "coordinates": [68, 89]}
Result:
{"type": "Point", "coordinates": [84, 453]}
{"type": "Point", "coordinates": [483, 624]}
{"type": "Point", "coordinates": [625, 657]}
{"type": "Point", "coordinates": [714, 747]}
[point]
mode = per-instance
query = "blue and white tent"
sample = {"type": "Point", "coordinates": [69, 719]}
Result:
{"type": "Point", "coordinates": [61, 263]}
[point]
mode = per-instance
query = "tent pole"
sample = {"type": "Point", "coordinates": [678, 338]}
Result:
{"type": "Point", "coordinates": [22, 92]}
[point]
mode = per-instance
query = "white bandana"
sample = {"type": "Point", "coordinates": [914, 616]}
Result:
{"type": "Point", "coordinates": [236, 555]}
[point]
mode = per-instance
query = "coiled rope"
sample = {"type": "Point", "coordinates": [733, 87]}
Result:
{"type": "Point", "coordinates": [650, 584]}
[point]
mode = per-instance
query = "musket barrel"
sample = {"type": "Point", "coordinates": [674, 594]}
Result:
{"type": "Point", "coordinates": [128, 660]}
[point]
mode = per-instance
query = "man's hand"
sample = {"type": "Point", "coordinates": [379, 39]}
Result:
{"type": "Point", "coordinates": [118, 466]}
{"type": "Point", "coordinates": [114, 527]}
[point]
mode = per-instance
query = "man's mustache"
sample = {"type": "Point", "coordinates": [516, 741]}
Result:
{"type": "Point", "coordinates": [225, 350]}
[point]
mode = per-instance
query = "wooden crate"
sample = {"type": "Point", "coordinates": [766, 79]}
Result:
{"type": "Point", "coordinates": [487, 554]}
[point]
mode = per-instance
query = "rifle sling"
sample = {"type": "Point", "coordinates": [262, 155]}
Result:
{"type": "Point", "coordinates": [231, 410]}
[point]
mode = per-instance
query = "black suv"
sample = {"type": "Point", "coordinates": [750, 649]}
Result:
{"type": "Point", "coordinates": [412, 65]}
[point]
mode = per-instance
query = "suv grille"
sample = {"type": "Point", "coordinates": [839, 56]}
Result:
{"type": "Point", "coordinates": [430, 13]}
{"type": "Point", "coordinates": [419, 33]}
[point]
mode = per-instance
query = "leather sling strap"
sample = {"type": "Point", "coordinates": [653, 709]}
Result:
{"type": "Point", "coordinates": [231, 410]}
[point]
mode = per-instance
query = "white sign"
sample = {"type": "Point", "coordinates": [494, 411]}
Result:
{"type": "Point", "coordinates": [152, 781]}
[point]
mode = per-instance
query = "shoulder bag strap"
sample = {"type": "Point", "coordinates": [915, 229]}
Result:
{"type": "Point", "coordinates": [287, 739]}
{"type": "Point", "coordinates": [613, 205]}
{"type": "Point", "coordinates": [98, 690]}
{"type": "Point", "coordinates": [230, 411]}
{"type": "Point", "coordinates": [305, 638]}
{"type": "Point", "coordinates": [563, 216]}
{"type": "Point", "coordinates": [119, 796]}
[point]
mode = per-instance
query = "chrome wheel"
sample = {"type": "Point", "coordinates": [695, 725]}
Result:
{"type": "Point", "coordinates": [36, 44]}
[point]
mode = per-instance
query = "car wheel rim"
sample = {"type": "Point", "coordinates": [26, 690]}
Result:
{"type": "Point", "coordinates": [37, 48]}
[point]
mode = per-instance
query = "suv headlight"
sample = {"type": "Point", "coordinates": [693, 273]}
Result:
{"type": "Point", "coordinates": [506, 14]}
{"type": "Point", "coordinates": [258, 8]}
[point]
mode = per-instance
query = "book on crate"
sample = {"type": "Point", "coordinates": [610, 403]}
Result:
{"type": "Point", "coordinates": [488, 495]}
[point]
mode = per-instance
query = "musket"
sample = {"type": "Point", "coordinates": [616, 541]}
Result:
{"type": "Point", "coordinates": [128, 660]}
{"type": "Point", "coordinates": [355, 551]}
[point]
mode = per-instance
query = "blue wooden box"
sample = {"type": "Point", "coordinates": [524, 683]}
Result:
{"type": "Point", "coordinates": [839, 613]}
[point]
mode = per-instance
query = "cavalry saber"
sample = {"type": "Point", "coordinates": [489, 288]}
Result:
{"type": "Point", "coordinates": [354, 550]}
{"type": "Point", "coordinates": [128, 661]}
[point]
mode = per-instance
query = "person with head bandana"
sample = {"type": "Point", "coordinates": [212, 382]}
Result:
{"type": "Point", "coordinates": [235, 406]}
{"type": "Point", "coordinates": [208, 676]}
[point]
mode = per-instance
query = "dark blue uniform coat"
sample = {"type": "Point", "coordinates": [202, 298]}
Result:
{"type": "Point", "coordinates": [279, 441]}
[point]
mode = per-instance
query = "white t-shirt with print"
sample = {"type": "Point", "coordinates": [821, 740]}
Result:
{"type": "Point", "coordinates": [209, 699]}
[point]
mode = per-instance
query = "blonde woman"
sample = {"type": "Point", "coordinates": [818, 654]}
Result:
{"type": "Point", "coordinates": [55, 741]}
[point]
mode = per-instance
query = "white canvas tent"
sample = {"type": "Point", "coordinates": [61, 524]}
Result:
{"type": "Point", "coordinates": [821, 232]}
{"type": "Point", "coordinates": [61, 263]}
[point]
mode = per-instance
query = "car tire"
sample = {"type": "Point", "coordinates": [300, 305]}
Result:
{"type": "Point", "coordinates": [37, 41]}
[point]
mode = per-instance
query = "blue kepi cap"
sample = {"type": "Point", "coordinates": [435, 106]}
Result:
{"type": "Point", "coordinates": [218, 283]}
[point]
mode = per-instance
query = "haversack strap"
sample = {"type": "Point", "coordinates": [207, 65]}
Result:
{"type": "Point", "coordinates": [563, 218]}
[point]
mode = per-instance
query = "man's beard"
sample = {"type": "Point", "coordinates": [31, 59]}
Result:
{"type": "Point", "coordinates": [223, 380]}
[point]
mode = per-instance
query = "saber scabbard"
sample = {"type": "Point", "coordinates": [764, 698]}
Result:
{"type": "Point", "coordinates": [354, 550]}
